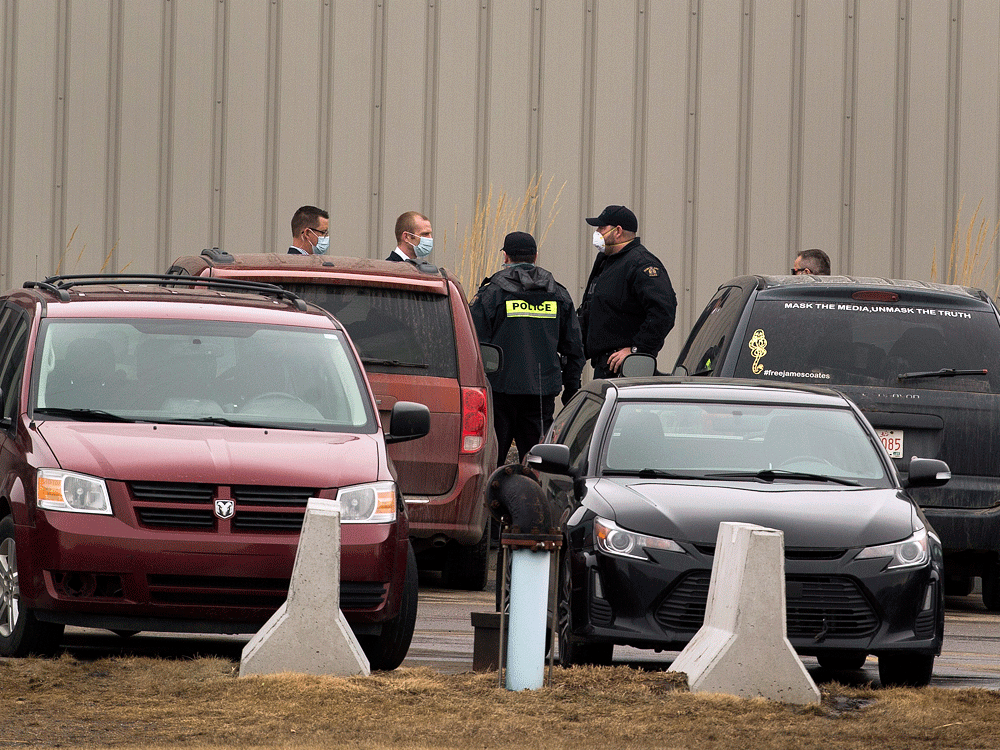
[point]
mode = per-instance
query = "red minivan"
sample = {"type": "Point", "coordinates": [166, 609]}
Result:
{"type": "Point", "coordinates": [412, 326]}
{"type": "Point", "coordinates": [161, 438]}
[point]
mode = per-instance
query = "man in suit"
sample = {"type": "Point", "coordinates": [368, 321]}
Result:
{"type": "Point", "coordinates": [310, 231]}
{"type": "Point", "coordinates": [414, 237]}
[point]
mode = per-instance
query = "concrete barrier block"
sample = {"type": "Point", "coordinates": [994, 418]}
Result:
{"type": "Point", "coordinates": [743, 649]}
{"type": "Point", "coordinates": [309, 633]}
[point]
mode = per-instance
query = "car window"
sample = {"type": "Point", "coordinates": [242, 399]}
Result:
{"type": "Point", "coordinates": [13, 344]}
{"type": "Point", "coordinates": [579, 431]}
{"type": "Point", "coordinates": [164, 370]}
{"type": "Point", "coordinates": [710, 334]}
{"type": "Point", "coordinates": [711, 437]}
{"type": "Point", "coordinates": [413, 329]}
{"type": "Point", "coordinates": [831, 342]}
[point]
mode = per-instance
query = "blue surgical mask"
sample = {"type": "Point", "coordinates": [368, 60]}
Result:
{"type": "Point", "coordinates": [321, 246]}
{"type": "Point", "coordinates": [423, 248]}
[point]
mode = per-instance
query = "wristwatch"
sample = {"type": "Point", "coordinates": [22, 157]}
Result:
{"type": "Point", "coordinates": [635, 350]}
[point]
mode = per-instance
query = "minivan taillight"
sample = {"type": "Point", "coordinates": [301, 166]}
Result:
{"type": "Point", "coordinates": [474, 421]}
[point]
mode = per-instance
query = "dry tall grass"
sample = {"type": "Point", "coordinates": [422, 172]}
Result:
{"type": "Point", "coordinates": [967, 265]}
{"type": "Point", "coordinates": [200, 703]}
{"type": "Point", "coordinates": [495, 217]}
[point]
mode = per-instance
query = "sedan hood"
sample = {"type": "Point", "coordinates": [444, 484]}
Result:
{"type": "Point", "coordinates": [835, 519]}
{"type": "Point", "coordinates": [213, 454]}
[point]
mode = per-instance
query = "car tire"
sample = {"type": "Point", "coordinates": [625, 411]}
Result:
{"type": "Point", "coordinates": [958, 585]}
{"type": "Point", "coordinates": [386, 651]}
{"type": "Point", "coordinates": [991, 587]}
{"type": "Point", "coordinates": [571, 650]}
{"type": "Point", "coordinates": [21, 633]}
{"type": "Point", "coordinates": [905, 670]}
{"type": "Point", "coordinates": [467, 568]}
{"type": "Point", "coordinates": [842, 662]}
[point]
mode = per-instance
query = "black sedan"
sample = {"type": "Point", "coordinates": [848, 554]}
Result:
{"type": "Point", "coordinates": [649, 468]}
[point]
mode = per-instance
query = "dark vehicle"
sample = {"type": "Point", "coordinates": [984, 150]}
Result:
{"type": "Point", "coordinates": [413, 329]}
{"type": "Point", "coordinates": [664, 461]}
{"type": "Point", "coordinates": [921, 360]}
{"type": "Point", "coordinates": [161, 441]}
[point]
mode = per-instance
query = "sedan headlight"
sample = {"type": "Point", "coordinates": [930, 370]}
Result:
{"type": "Point", "coordinates": [617, 541]}
{"type": "Point", "coordinates": [65, 490]}
{"type": "Point", "coordinates": [368, 503]}
{"type": "Point", "coordinates": [909, 553]}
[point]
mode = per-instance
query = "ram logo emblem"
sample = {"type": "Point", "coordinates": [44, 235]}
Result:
{"type": "Point", "coordinates": [224, 508]}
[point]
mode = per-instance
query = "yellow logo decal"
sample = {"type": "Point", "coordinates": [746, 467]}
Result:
{"type": "Point", "coordinates": [518, 308]}
{"type": "Point", "coordinates": [651, 271]}
{"type": "Point", "coordinates": [758, 348]}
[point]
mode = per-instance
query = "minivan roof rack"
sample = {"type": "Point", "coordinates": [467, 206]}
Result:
{"type": "Point", "coordinates": [60, 285]}
{"type": "Point", "coordinates": [216, 255]}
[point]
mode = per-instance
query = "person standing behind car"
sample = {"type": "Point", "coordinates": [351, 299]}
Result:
{"type": "Point", "coordinates": [629, 304]}
{"type": "Point", "coordinates": [310, 231]}
{"type": "Point", "coordinates": [530, 316]}
{"type": "Point", "coordinates": [813, 261]}
{"type": "Point", "coordinates": [414, 237]}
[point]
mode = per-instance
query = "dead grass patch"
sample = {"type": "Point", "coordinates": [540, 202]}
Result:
{"type": "Point", "coordinates": [138, 702]}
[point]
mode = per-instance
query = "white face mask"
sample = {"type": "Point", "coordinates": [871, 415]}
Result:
{"type": "Point", "coordinates": [598, 240]}
{"type": "Point", "coordinates": [321, 246]}
{"type": "Point", "coordinates": [423, 248]}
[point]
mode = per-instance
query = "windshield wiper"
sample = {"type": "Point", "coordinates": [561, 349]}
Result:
{"type": "Point", "coordinates": [647, 474]}
{"type": "Point", "coordinates": [230, 422]}
{"type": "Point", "coordinates": [83, 415]}
{"type": "Point", "coordinates": [769, 475]}
{"type": "Point", "coordinates": [393, 363]}
{"type": "Point", "coordinates": [947, 372]}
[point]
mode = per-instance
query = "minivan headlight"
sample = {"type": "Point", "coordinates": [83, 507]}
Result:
{"type": "Point", "coordinates": [69, 491]}
{"type": "Point", "coordinates": [909, 553]}
{"type": "Point", "coordinates": [368, 503]}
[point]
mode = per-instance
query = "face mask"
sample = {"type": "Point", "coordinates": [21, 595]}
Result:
{"type": "Point", "coordinates": [321, 246]}
{"type": "Point", "coordinates": [423, 248]}
{"type": "Point", "coordinates": [598, 240]}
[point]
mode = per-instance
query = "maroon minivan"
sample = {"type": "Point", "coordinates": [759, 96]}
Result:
{"type": "Point", "coordinates": [161, 439]}
{"type": "Point", "coordinates": [412, 326]}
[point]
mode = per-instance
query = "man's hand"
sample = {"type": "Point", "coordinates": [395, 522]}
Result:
{"type": "Point", "coordinates": [615, 359]}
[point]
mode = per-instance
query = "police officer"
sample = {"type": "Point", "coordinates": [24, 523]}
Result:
{"type": "Point", "coordinates": [527, 313]}
{"type": "Point", "coordinates": [629, 304]}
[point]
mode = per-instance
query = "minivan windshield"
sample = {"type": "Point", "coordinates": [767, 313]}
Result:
{"type": "Point", "coordinates": [199, 371]}
{"type": "Point", "coordinates": [681, 439]}
{"type": "Point", "coordinates": [843, 342]}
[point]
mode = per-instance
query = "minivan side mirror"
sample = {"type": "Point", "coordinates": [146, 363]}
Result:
{"type": "Point", "coordinates": [639, 366]}
{"type": "Point", "coordinates": [408, 421]}
{"type": "Point", "coordinates": [492, 357]}
{"type": "Point", "coordinates": [927, 472]}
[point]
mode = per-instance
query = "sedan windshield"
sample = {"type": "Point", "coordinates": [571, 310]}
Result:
{"type": "Point", "coordinates": [741, 441]}
{"type": "Point", "coordinates": [195, 371]}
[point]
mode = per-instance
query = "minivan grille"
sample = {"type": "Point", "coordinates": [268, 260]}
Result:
{"type": "Point", "coordinates": [825, 606]}
{"type": "Point", "coordinates": [264, 593]}
{"type": "Point", "coordinates": [187, 506]}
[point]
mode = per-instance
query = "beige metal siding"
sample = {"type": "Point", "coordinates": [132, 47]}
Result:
{"type": "Point", "coordinates": [740, 131]}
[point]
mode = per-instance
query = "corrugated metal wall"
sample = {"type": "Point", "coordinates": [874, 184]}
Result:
{"type": "Point", "coordinates": [739, 131]}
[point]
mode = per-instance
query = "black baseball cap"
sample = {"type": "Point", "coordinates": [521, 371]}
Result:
{"type": "Point", "coordinates": [520, 246]}
{"type": "Point", "coordinates": [616, 216]}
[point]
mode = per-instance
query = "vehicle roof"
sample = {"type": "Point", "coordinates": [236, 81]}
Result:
{"type": "Point", "coordinates": [162, 302]}
{"type": "Point", "coordinates": [721, 390]}
{"type": "Point", "coordinates": [322, 269]}
{"type": "Point", "coordinates": [840, 284]}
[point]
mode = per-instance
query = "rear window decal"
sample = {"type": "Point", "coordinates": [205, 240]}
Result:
{"type": "Point", "coordinates": [758, 348]}
{"type": "Point", "coordinates": [876, 309]}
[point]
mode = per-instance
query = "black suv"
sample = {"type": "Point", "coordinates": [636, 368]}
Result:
{"type": "Point", "coordinates": [921, 360]}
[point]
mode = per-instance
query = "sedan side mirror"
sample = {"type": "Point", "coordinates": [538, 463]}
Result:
{"type": "Point", "coordinates": [638, 366]}
{"type": "Point", "coordinates": [927, 472]}
{"type": "Point", "coordinates": [408, 421]}
{"type": "Point", "coordinates": [549, 458]}
{"type": "Point", "coordinates": [492, 358]}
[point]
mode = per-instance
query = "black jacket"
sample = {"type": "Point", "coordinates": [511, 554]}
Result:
{"type": "Point", "coordinates": [527, 313]}
{"type": "Point", "coordinates": [629, 302]}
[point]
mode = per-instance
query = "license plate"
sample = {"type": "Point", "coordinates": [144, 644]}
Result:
{"type": "Point", "coordinates": [893, 442]}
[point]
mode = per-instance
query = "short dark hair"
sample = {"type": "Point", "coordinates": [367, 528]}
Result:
{"type": "Point", "coordinates": [307, 217]}
{"type": "Point", "coordinates": [819, 262]}
{"type": "Point", "coordinates": [406, 222]}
